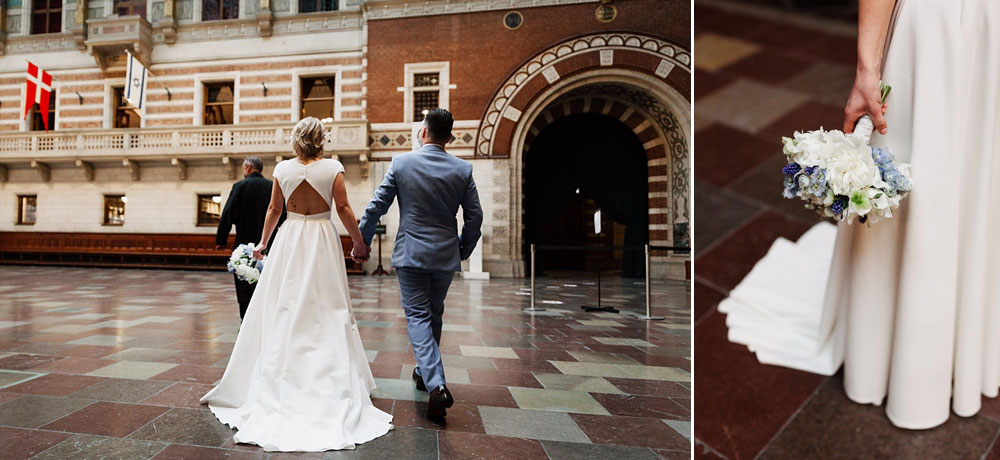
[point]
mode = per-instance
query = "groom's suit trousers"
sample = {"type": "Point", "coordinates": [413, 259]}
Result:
{"type": "Point", "coordinates": [422, 294]}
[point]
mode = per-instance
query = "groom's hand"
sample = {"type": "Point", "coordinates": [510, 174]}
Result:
{"type": "Point", "coordinates": [360, 253]}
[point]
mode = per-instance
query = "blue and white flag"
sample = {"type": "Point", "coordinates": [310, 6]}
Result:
{"type": "Point", "coordinates": [135, 82]}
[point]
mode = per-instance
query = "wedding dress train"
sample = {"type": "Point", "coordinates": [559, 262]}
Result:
{"type": "Point", "coordinates": [913, 302]}
{"type": "Point", "coordinates": [298, 378]}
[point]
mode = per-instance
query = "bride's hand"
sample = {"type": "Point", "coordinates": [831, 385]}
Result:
{"type": "Point", "coordinates": [360, 252]}
{"type": "Point", "coordinates": [865, 99]}
{"type": "Point", "coordinates": [258, 252]}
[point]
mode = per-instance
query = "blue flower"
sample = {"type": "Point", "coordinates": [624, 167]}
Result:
{"type": "Point", "coordinates": [809, 170]}
{"type": "Point", "coordinates": [791, 169]}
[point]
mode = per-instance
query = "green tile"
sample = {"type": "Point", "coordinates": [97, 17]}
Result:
{"type": "Point", "coordinates": [186, 426]}
{"type": "Point", "coordinates": [578, 451]}
{"type": "Point", "coordinates": [557, 400]}
{"type": "Point", "coordinates": [122, 390]}
{"type": "Point", "coordinates": [489, 352]}
{"type": "Point", "coordinates": [531, 424]}
{"type": "Point", "coordinates": [397, 389]}
{"type": "Point", "coordinates": [681, 426]}
{"type": "Point", "coordinates": [577, 383]}
{"type": "Point", "coordinates": [623, 341]}
{"type": "Point", "coordinates": [137, 370]}
{"type": "Point", "coordinates": [10, 378]}
{"type": "Point", "coordinates": [141, 354]}
{"type": "Point", "coordinates": [625, 371]}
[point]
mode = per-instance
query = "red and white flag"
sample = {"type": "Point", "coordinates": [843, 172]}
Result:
{"type": "Point", "coordinates": [39, 89]}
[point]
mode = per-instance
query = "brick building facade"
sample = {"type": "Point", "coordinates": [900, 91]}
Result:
{"type": "Point", "coordinates": [226, 88]}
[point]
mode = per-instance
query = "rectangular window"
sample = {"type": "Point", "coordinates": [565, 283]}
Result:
{"type": "Point", "coordinates": [46, 16]}
{"type": "Point", "coordinates": [218, 103]}
{"type": "Point", "coordinates": [212, 10]}
{"type": "Point", "coordinates": [114, 209]}
{"type": "Point", "coordinates": [426, 93]}
{"type": "Point", "coordinates": [26, 206]}
{"type": "Point", "coordinates": [36, 114]}
{"type": "Point", "coordinates": [318, 98]}
{"type": "Point", "coordinates": [209, 209]}
{"type": "Point", "coordinates": [130, 8]}
{"type": "Point", "coordinates": [315, 6]}
{"type": "Point", "coordinates": [125, 115]}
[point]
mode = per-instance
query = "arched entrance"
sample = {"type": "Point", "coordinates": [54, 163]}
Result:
{"type": "Point", "coordinates": [576, 166]}
{"type": "Point", "coordinates": [640, 81]}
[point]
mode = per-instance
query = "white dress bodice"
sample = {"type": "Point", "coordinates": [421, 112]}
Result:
{"type": "Point", "coordinates": [320, 175]}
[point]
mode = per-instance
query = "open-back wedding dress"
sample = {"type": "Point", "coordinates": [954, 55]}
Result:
{"type": "Point", "coordinates": [912, 304]}
{"type": "Point", "coordinates": [298, 378]}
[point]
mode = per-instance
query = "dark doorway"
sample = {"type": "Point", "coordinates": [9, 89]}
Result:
{"type": "Point", "coordinates": [575, 166]}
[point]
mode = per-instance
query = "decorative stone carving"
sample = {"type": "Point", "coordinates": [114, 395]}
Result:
{"type": "Point", "coordinates": [44, 172]}
{"type": "Point", "coordinates": [181, 168]}
{"type": "Point", "coordinates": [133, 168]}
{"type": "Point", "coordinates": [87, 168]}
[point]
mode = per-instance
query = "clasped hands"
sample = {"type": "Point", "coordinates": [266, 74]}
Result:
{"type": "Point", "coordinates": [360, 252]}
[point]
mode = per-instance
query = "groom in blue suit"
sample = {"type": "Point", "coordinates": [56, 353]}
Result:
{"type": "Point", "coordinates": [430, 184]}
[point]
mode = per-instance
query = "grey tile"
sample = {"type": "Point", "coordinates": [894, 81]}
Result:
{"type": "Point", "coordinates": [397, 389]}
{"type": "Point", "coordinates": [35, 411]}
{"type": "Point", "coordinates": [577, 451]}
{"type": "Point", "coordinates": [99, 447]}
{"type": "Point", "coordinates": [681, 426]}
{"type": "Point", "coordinates": [122, 390]}
{"type": "Point", "coordinates": [531, 424]}
{"type": "Point", "coordinates": [11, 378]}
{"type": "Point", "coordinates": [401, 443]}
{"type": "Point", "coordinates": [186, 426]}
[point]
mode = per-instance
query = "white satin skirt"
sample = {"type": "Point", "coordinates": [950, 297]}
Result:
{"type": "Point", "coordinates": [922, 291]}
{"type": "Point", "coordinates": [298, 378]}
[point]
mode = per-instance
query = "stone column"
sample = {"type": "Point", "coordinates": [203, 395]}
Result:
{"type": "Point", "coordinates": [80, 29]}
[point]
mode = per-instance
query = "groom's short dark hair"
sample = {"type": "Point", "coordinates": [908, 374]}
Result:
{"type": "Point", "coordinates": [439, 123]}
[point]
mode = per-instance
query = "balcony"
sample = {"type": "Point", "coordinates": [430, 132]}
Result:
{"type": "Point", "coordinates": [108, 38]}
{"type": "Point", "coordinates": [344, 138]}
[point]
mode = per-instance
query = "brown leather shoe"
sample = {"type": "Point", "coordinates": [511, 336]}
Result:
{"type": "Point", "coordinates": [417, 379]}
{"type": "Point", "coordinates": [438, 403]}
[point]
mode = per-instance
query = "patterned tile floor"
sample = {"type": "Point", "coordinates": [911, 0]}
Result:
{"type": "Point", "coordinates": [99, 363]}
{"type": "Point", "coordinates": [761, 74]}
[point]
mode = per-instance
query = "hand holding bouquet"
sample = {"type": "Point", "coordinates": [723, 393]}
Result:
{"type": "Point", "coordinates": [244, 265]}
{"type": "Point", "coordinates": [839, 175]}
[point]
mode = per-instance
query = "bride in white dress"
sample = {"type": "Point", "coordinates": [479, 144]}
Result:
{"type": "Point", "coordinates": [912, 304]}
{"type": "Point", "coordinates": [298, 378]}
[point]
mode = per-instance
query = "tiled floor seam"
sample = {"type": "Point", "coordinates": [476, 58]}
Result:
{"type": "Point", "coordinates": [992, 444]}
{"type": "Point", "coordinates": [699, 444]}
{"type": "Point", "coordinates": [725, 236]}
{"type": "Point", "coordinates": [792, 417]}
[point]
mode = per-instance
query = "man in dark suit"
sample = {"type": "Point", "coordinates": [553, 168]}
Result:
{"type": "Point", "coordinates": [246, 208]}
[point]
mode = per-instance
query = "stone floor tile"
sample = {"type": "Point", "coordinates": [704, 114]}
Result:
{"type": "Point", "coordinates": [107, 419]}
{"type": "Point", "coordinates": [179, 395]}
{"type": "Point", "coordinates": [749, 105]}
{"type": "Point", "coordinates": [35, 411]}
{"type": "Point", "coordinates": [400, 443]}
{"type": "Point", "coordinates": [18, 444]}
{"type": "Point", "coordinates": [631, 431]}
{"type": "Point", "coordinates": [557, 400]}
{"type": "Point", "coordinates": [99, 447]}
{"type": "Point", "coordinates": [531, 424]}
{"type": "Point", "coordinates": [489, 352]}
{"type": "Point", "coordinates": [54, 385]}
{"type": "Point", "coordinates": [122, 390]}
{"type": "Point", "coordinates": [132, 370]}
{"type": "Point", "coordinates": [577, 383]}
{"type": "Point", "coordinates": [181, 452]}
{"type": "Point", "coordinates": [579, 451]}
{"type": "Point", "coordinates": [186, 426]}
{"type": "Point", "coordinates": [461, 417]}
{"type": "Point", "coordinates": [469, 446]}
{"type": "Point", "coordinates": [717, 51]}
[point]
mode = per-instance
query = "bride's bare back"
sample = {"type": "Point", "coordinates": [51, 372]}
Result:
{"type": "Point", "coordinates": [306, 200]}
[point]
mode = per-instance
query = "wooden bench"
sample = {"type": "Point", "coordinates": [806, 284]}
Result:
{"type": "Point", "coordinates": [127, 250]}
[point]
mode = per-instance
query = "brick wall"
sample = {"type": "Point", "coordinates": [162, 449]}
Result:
{"type": "Point", "coordinates": [483, 53]}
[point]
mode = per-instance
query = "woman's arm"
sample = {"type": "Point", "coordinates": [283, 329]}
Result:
{"type": "Point", "coordinates": [865, 98]}
{"type": "Point", "coordinates": [274, 209]}
{"type": "Point", "coordinates": [347, 217]}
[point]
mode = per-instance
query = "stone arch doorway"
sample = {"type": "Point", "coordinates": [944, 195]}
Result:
{"type": "Point", "coordinates": [579, 169]}
{"type": "Point", "coordinates": [640, 80]}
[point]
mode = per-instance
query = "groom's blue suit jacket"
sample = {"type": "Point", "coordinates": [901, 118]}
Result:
{"type": "Point", "coordinates": [430, 185]}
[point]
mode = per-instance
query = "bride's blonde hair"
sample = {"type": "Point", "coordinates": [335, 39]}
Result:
{"type": "Point", "coordinates": [307, 138]}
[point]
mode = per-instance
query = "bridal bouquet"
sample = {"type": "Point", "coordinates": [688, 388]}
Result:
{"type": "Point", "coordinates": [839, 175]}
{"type": "Point", "coordinates": [244, 265]}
